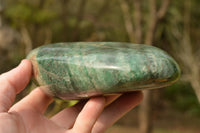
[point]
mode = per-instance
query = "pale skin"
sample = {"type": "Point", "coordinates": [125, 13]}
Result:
{"type": "Point", "coordinates": [94, 116]}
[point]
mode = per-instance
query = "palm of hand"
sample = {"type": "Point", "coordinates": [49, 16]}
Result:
{"type": "Point", "coordinates": [96, 115]}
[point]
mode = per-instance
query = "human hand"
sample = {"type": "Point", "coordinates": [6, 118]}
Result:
{"type": "Point", "coordinates": [96, 115]}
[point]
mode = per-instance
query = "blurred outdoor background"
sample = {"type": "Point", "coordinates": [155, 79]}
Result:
{"type": "Point", "coordinates": [172, 25]}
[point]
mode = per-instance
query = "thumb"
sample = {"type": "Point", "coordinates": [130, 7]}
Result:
{"type": "Point", "coordinates": [13, 82]}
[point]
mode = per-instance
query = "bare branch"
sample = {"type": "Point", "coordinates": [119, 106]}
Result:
{"type": "Point", "coordinates": [103, 8]}
{"type": "Point", "coordinates": [154, 17]}
{"type": "Point", "coordinates": [138, 21]}
{"type": "Point", "coordinates": [48, 37]}
{"type": "Point", "coordinates": [26, 38]}
{"type": "Point", "coordinates": [163, 9]}
{"type": "Point", "coordinates": [152, 8]}
{"type": "Point", "coordinates": [95, 20]}
{"type": "Point", "coordinates": [152, 22]}
{"type": "Point", "coordinates": [127, 20]}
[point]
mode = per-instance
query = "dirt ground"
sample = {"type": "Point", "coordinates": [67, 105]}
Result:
{"type": "Point", "coordinates": [167, 121]}
{"type": "Point", "coordinates": [124, 129]}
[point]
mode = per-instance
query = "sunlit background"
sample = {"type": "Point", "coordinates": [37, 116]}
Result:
{"type": "Point", "coordinates": [172, 25]}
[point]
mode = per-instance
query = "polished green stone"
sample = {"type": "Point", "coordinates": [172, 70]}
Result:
{"type": "Point", "coordinates": [84, 69]}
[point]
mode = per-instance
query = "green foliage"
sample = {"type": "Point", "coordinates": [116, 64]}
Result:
{"type": "Point", "coordinates": [23, 13]}
{"type": "Point", "coordinates": [20, 12]}
{"type": "Point", "coordinates": [182, 97]}
{"type": "Point", "coordinates": [44, 16]}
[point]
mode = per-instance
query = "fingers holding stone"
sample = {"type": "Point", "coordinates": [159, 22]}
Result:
{"type": "Point", "coordinates": [82, 116]}
{"type": "Point", "coordinates": [89, 114]}
{"type": "Point", "coordinates": [66, 118]}
{"type": "Point", "coordinates": [116, 110]}
{"type": "Point", "coordinates": [71, 113]}
{"type": "Point", "coordinates": [111, 98]}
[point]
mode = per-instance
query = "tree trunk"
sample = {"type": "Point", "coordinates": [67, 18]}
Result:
{"type": "Point", "coordinates": [1, 11]}
{"type": "Point", "coordinates": [186, 53]}
{"type": "Point", "coordinates": [135, 36]}
{"type": "Point", "coordinates": [145, 117]}
{"type": "Point", "coordinates": [64, 18]}
{"type": "Point", "coordinates": [127, 20]}
{"type": "Point", "coordinates": [138, 20]}
{"type": "Point", "coordinates": [79, 18]}
{"type": "Point", "coordinates": [145, 121]}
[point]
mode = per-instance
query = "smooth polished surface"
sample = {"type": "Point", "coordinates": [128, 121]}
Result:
{"type": "Point", "coordinates": [84, 69]}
